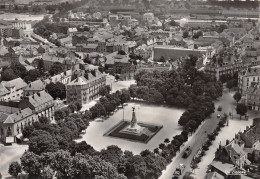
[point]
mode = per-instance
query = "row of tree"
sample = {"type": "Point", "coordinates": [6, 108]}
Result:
{"type": "Point", "coordinates": [185, 87]}
{"type": "Point", "coordinates": [80, 160]}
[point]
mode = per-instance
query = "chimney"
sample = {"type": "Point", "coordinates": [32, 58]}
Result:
{"type": "Point", "coordinates": [39, 94]}
{"type": "Point", "coordinates": [227, 142]}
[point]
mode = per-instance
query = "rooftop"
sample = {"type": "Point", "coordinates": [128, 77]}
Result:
{"type": "Point", "coordinates": [15, 117]}
{"type": "Point", "coordinates": [18, 83]}
{"type": "Point", "coordinates": [40, 98]}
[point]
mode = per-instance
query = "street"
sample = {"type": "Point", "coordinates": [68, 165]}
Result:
{"type": "Point", "coordinates": [199, 137]}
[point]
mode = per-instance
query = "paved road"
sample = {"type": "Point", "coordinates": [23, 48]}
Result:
{"type": "Point", "coordinates": [195, 142]}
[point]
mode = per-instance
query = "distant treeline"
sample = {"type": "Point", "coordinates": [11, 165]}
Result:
{"type": "Point", "coordinates": [235, 3]}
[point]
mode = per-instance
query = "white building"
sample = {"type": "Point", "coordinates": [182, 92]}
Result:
{"type": "Point", "coordinates": [12, 90]}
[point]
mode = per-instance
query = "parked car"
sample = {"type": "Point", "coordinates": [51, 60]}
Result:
{"type": "Point", "coordinates": [186, 152]}
{"type": "Point", "coordinates": [179, 171]}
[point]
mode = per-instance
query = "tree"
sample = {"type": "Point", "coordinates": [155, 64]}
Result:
{"type": "Point", "coordinates": [56, 68]}
{"type": "Point", "coordinates": [173, 23]}
{"type": "Point", "coordinates": [112, 155]}
{"type": "Point", "coordinates": [241, 109]}
{"type": "Point", "coordinates": [230, 84]}
{"type": "Point", "coordinates": [18, 68]}
{"type": "Point", "coordinates": [136, 167]}
{"type": "Point", "coordinates": [32, 75]}
{"type": "Point", "coordinates": [56, 90]}
{"type": "Point", "coordinates": [237, 96]}
{"type": "Point", "coordinates": [61, 163]}
{"type": "Point", "coordinates": [8, 75]}
{"type": "Point", "coordinates": [47, 173]}
{"type": "Point", "coordinates": [27, 131]}
{"type": "Point", "coordinates": [78, 106]}
{"type": "Point", "coordinates": [31, 164]}
{"type": "Point", "coordinates": [41, 66]}
{"type": "Point", "coordinates": [103, 91]}
{"type": "Point", "coordinates": [59, 114]}
{"type": "Point", "coordinates": [44, 120]}
{"type": "Point", "coordinates": [14, 169]}
{"type": "Point", "coordinates": [87, 59]}
{"type": "Point", "coordinates": [42, 141]}
{"type": "Point", "coordinates": [125, 96]}
{"type": "Point", "coordinates": [121, 52]}
{"type": "Point", "coordinates": [185, 34]}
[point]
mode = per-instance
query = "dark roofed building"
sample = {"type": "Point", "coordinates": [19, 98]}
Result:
{"type": "Point", "coordinates": [175, 53]}
{"type": "Point", "coordinates": [120, 65]}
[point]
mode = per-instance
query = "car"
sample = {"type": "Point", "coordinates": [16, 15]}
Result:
{"type": "Point", "coordinates": [179, 171]}
{"type": "Point", "coordinates": [187, 152]}
{"type": "Point", "coordinates": [218, 116]}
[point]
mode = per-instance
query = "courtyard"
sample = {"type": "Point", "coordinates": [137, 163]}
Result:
{"type": "Point", "coordinates": [157, 115]}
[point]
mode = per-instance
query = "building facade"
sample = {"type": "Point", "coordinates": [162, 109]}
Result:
{"type": "Point", "coordinates": [12, 125]}
{"type": "Point", "coordinates": [12, 90]}
{"type": "Point", "coordinates": [85, 88]}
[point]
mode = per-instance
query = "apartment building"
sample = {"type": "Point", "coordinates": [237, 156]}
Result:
{"type": "Point", "coordinates": [85, 88]}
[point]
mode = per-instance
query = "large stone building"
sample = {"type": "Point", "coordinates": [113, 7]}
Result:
{"type": "Point", "coordinates": [14, 116]}
{"type": "Point", "coordinates": [41, 103]}
{"type": "Point", "coordinates": [85, 88]}
{"type": "Point", "coordinates": [174, 53]}
{"type": "Point", "coordinates": [247, 78]}
{"type": "Point", "coordinates": [12, 125]}
{"type": "Point", "coordinates": [230, 67]}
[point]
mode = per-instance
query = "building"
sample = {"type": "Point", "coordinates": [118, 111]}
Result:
{"type": "Point", "coordinates": [64, 77]}
{"type": "Point", "coordinates": [174, 53]}
{"type": "Point", "coordinates": [72, 31]}
{"type": "Point", "coordinates": [49, 59]}
{"type": "Point", "coordinates": [231, 67]}
{"type": "Point", "coordinates": [247, 78]}
{"type": "Point", "coordinates": [41, 103]}
{"type": "Point", "coordinates": [252, 96]}
{"type": "Point", "coordinates": [66, 42]}
{"type": "Point", "coordinates": [120, 65]}
{"type": "Point", "coordinates": [12, 125]}
{"type": "Point", "coordinates": [12, 90]}
{"type": "Point", "coordinates": [34, 87]}
{"type": "Point", "coordinates": [85, 88]}
{"type": "Point", "coordinates": [243, 150]}
{"type": "Point", "coordinates": [149, 17]}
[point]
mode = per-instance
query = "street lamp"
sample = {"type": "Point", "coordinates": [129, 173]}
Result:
{"type": "Point", "coordinates": [123, 112]}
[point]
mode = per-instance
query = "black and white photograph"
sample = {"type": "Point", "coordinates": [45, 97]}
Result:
{"type": "Point", "coordinates": [129, 89]}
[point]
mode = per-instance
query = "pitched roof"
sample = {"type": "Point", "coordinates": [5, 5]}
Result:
{"type": "Point", "coordinates": [15, 117]}
{"type": "Point", "coordinates": [37, 85]}
{"type": "Point", "coordinates": [224, 167]}
{"type": "Point", "coordinates": [59, 77]}
{"type": "Point", "coordinates": [82, 80]}
{"type": "Point", "coordinates": [18, 83]}
{"type": "Point", "coordinates": [213, 175]}
{"type": "Point", "coordinates": [40, 98]}
{"type": "Point", "coordinates": [79, 81]}
{"type": "Point", "coordinates": [3, 90]}
{"type": "Point", "coordinates": [73, 29]}
{"type": "Point", "coordinates": [114, 57]}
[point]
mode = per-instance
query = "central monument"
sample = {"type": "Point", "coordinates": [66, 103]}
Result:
{"type": "Point", "coordinates": [133, 127]}
{"type": "Point", "coordinates": [133, 131]}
